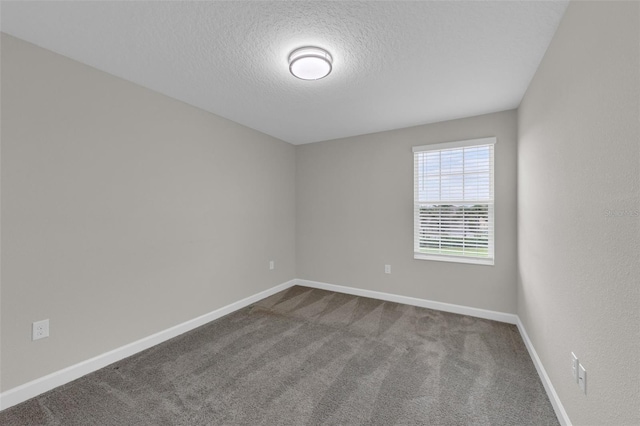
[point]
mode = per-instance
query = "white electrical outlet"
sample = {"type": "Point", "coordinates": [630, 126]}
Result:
{"type": "Point", "coordinates": [272, 265]}
{"type": "Point", "coordinates": [574, 367]}
{"type": "Point", "coordinates": [40, 330]}
{"type": "Point", "coordinates": [582, 378]}
{"type": "Point", "coordinates": [387, 269]}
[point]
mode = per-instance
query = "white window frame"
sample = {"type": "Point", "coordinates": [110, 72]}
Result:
{"type": "Point", "coordinates": [490, 259]}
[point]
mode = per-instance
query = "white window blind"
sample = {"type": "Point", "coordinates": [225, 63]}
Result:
{"type": "Point", "coordinates": [453, 201]}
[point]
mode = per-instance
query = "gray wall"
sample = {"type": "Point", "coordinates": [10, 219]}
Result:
{"type": "Point", "coordinates": [578, 162]}
{"type": "Point", "coordinates": [354, 200]}
{"type": "Point", "coordinates": [103, 181]}
{"type": "Point", "coordinates": [125, 212]}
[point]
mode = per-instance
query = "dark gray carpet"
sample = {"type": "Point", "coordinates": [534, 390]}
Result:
{"type": "Point", "coordinates": [306, 356]}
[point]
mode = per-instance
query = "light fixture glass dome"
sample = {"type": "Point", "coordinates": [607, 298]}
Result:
{"type": "Point", "coordinates": [310, 63]}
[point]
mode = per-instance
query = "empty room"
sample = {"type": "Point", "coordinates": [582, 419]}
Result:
{"type": "Point", "coordinates": [320, 213]}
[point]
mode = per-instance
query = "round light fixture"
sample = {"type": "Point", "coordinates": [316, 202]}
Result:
{"type": "Point", "coordinates": [310, 63]}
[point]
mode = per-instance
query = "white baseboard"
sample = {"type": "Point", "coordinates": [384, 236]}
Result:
{"type": "Point", "coordinates": [563, 418]}
{"type": "Point", "coordinates": [423, 303]}
{"type": "Point", "coordinates": [36, 387]}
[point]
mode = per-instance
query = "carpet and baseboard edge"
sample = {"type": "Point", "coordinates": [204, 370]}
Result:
{"type": "Point", "coordinates": [43, 384]}
{"type": "Point", "coordinates": [561, 413]}
{"type": "Point", "coordinates": [414, 301]}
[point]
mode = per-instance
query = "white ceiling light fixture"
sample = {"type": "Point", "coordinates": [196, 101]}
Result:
{"type": "Point", "coordinates": [310, 63]}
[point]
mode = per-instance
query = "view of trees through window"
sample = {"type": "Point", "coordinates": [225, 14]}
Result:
{"type": "Point", "coordinates": [454, 229]}
{"type": "Point", "coordinates": [453, 199]}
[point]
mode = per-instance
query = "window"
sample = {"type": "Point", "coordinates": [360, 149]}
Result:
{"type": "Point", "coordinates": [453, 201]}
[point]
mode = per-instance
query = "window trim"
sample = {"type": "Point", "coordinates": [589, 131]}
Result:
{"type": "Point", "coordinates": [456, 144]}
{"type": "Point", "coordinates": [491, 245]}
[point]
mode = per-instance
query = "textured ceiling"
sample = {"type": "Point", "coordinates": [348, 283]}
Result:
{"type": "Point", "coordinates": [396, 64]}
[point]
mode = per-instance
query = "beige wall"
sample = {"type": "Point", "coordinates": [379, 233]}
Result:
{"type": "Point", "coordinates": [578, 160]}
{"type": "Point", "coordinates": [125, 212]}
{"type": "Point", "coordinates": [354, 200]}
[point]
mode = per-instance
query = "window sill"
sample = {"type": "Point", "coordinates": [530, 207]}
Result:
{"type": "Point", "coordinates": [455, 259]}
